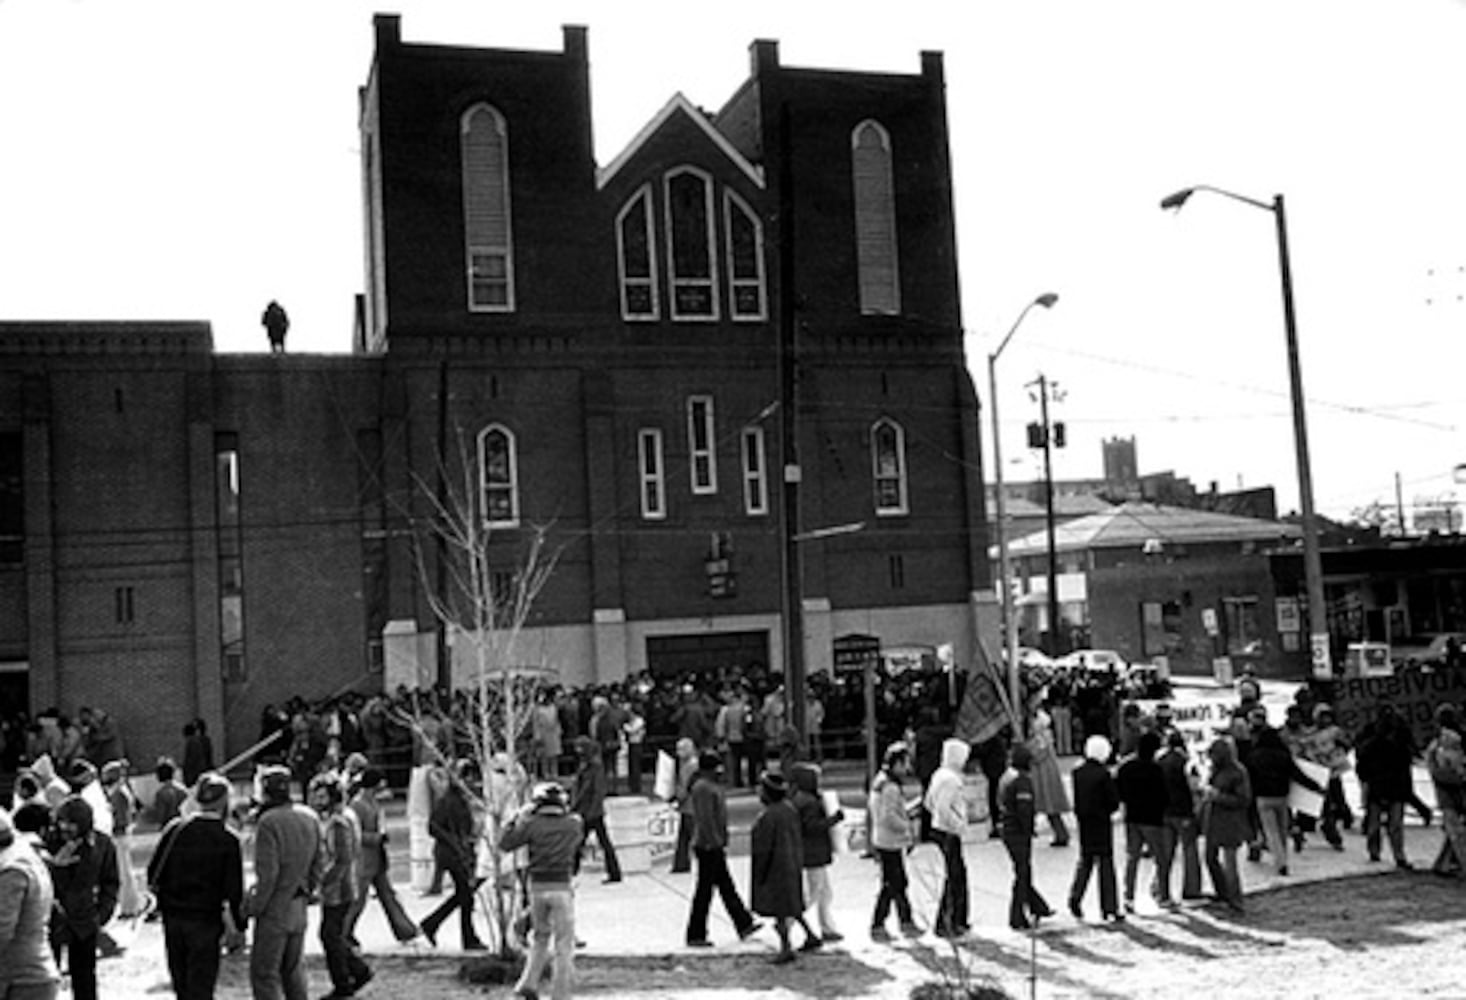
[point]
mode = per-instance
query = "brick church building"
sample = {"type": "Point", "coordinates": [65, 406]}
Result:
{"type": "Point", "coordinates": [736, 345]}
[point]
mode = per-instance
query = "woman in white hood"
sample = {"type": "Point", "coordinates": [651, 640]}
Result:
{"type": "Point", "coordinates": [948, 811]}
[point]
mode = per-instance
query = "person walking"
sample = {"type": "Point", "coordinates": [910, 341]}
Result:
{"type": "Point", "coordinates": [1385, 754]}
{"type": "Point", "coordinates": [1272, 771]}
{"type": "Point", "coordinates": [455, 836]}
{"type": "Point", "coordinates": [374, 870]}
{"type": "Point", "coordinates": [1096, 799]}
{"type": "Point", "coordinates": [27, 966]}
{"type": "Point", "coordinates": [83, 866]}
{"type": "Point", "coordinates": [1182, 785]}
{"type": "Point", "coordinates": [948, 812]}
{"type": "Point", "coordinates": [589, 802]}
{"type": "Point", "coordinates": [552, 835]}
{"type": "Point", "coordinates": [707, 820]}
{"type": "Point", "coordinates": [892, 834]}
{"type": "Point", "coordinates": [1445, 760]}
{"type": "Point", "coordinates": [687, 768]}
{"type": "Point", "coordinates": [1026, 906]}
{"type": "Point", "coordinates": [196, 871]}
{"type": "Point", "coordinates": [287, 865]}
{"type": "Point", "coordinates": [776, 865]}
{"type": "Point", "coordinates": [815, 824]}
{"type": "Point", "coordinates": [1142, 788]}
{"type": "Point", "coordinates": [1225, 824]}
{"type": "Point", "coordinates": [1049, 798]}
{"type": "Point", "coordinates": [341, 841]}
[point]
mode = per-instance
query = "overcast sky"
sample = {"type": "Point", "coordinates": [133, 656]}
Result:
{"type": "Point", "coordinates": [194, 160]}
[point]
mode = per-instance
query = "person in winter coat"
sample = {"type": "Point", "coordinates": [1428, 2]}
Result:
{"type": "Point", "coordinates": [1015, 799]}
{"type": "Point", "coordinates": [1049, 797]}
{"type": "Point", "coordinates": [815, 824]}
{"type": "Point", "coordinates": [588, 801]}
{"type": "Point", "coordinates": [1142, 788]}
{"type": "Point", "coordinates": [455, 840]}
{"type": "Point", "coordinates": [1183, 780]}
{"type": "Point", "coordinates": [287, 864]}
{"type": "Point", "coordinates": [1384, 757]}
{"type": "Point", "coordinates": [1272, 771]}
{"type": "Point", "coordinates": [1445, 759]}
{"type": "Point", "coordinates": [707, 823]}
{"type": "Point", "coordinates": [27, 965]}
{"type": "Point", "coordinates": [948, 812]}
{"type": "Point", "coordinates": [553, 834]}
{"type": "Point", "coordinates": [777, 865]}
{"type": "Point", "coordinates": [686, 757]}
{"type": "Point", "coordinates": [1096, 799]}
{"type": "Point", "coordinates": [374, 870]}
{"type": "Point", "coordinates": [892, 834]}
{"type": "Point", "coordinates": [83, 866]}
{"type": "Point", "coordinates": [1225, 824]}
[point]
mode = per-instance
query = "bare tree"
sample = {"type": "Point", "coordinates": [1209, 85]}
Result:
{"type": "Point", "coordinates": [483, 597]}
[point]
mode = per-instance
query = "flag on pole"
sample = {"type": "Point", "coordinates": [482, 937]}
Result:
{"type": "Point", "coordinates": [985, 709]}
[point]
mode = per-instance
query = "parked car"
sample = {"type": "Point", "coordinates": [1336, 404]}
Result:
{"type": "Point", "coordinates": [1099, 660]}
{"type": "Point", "coordinates": [1427, 651]}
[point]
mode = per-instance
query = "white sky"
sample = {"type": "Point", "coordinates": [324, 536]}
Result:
{"type": "Point", "coordinates": [192, 160]}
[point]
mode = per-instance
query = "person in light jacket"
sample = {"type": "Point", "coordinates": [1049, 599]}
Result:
{"type": "Point", "coordinates": [948, 811]}
{"type": "Point", "coordinates": [27, 966]}
{"type": "Point", "coordinates": [892, 834]}
{"type": "Point", "coordinates": [288, 859]}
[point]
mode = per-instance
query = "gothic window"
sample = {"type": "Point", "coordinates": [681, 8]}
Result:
{"type": "Point", "coordinates": [745, 258]}
{"type": "Point", "coordinates": [690, 249]}
{"type": "Point", "coordinates": [498, 477]}
{"type": "Point", "coordinates": [875, 220]}
{"type": "Point", "coordinates": [634, 244]}
{"type": "Point", "coordinates": [888, 468]}
{"type": "Point", "coordinates": [490, 256]}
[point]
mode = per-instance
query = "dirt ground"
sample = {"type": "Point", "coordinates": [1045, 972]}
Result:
{"type": "Point", "coordinates": [1390, 935]}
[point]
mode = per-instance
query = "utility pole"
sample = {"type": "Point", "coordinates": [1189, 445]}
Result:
{"type": "Point", "coordinates": [1049, 436]}
{"type": "Point", "coordinates": [793, 564]}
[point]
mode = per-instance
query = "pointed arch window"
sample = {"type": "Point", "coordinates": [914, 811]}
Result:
{"type": "Point", "coordinates": [745, 238]}
{"type": "Point", "coordinates": [875, 220]}
{"type": "Point", "coordinates": [498, 477]}
{"type": "Point", "coordinates": [484, 138]}
{"type": "Point", "coordinates": [637, 258]}
{"type": "Point", "coordinates": [690, 245]}
{"type": "Point", "coordinates": [888, 468]}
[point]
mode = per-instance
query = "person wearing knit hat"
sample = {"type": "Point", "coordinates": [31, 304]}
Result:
{"type": "Point", "coordinates": [1096, 800]}
{"type": "Point", "coordinates": [776, 860]}
{"type": "Point", "coordinates": [196, 872]}
{"type": "Point", "coordinates": [27, 965]}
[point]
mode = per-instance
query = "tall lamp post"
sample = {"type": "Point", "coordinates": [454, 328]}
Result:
{"type": "Point", "coordinates": [1318, 623]}
{"type": "Point", "coordinates": [1010, 633]}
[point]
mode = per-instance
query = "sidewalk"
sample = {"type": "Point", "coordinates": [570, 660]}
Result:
{"type": "Point", "coordinates": [645, 914]}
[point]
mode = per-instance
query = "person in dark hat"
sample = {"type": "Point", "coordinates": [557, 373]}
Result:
{"type": "Point", "coordinates": [777, 861]}
{"type": "Point", "coordinates": [196, 871]}
{"type": "Point", "coordinates": [287, 864]}
{"type": "Point", "coordinates": [708, 838]}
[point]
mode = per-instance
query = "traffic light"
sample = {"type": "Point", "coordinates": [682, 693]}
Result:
{"type": "Point", "coordinates": [1058, 434]}
{"type": "Point", "coordinates": [1035, 435]}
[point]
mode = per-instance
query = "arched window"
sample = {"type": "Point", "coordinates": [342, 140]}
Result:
{"type": "Point", "coordinates": [888, 468]}
{"type": "Point", "coordinates": [498, 477]}
{"type": "Point", "coordinates": [489, 250]}
{"type": "Point", "coordinates": [875, 220]}
{"type": "Point", "coordinates": [637, 259]}
{"type": "Point", "coordinates": [690, 245]}
{"type": "Point", "coordinates": [745, 238]}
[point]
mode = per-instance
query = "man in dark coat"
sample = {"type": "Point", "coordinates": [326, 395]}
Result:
{"type": "Point", "coordinates": [589, 802]}
{"type": "Point", "coordinates": [1142, 788]}
{"type": "Point", "coordinates": [452, 827]}
{"type": "Point", "coordinates": [1095, 801]}
{"type": "Point", "coordinates": [777, 863]}
{"type": "Point", "coordinates": [196, 871]}
{"type": "Point", "coordinates": [1015, 800]}
{"type": "Point", "coordinates": [83, 866]}
{"type": "Point", "coordinates": [1179, 775]}
{"type": "Point", "coordinates": [709, 842]}
{"type": "Point", "coordinates": [1385, 752]}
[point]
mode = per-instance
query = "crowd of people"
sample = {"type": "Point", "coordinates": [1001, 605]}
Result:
{"type": "Point", "coordinates": [66, 864]}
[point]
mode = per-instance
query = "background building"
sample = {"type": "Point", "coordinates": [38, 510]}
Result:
{"type": "Point", "coordinates": [624, 357]}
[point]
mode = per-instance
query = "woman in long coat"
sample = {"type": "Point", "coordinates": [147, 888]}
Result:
{"type": "Point", "coordinates": [777, 856]}
{"type": "Point", "coordinates": [1049, 797]}
{"type": "Point", "coordinates": [1225, 820]}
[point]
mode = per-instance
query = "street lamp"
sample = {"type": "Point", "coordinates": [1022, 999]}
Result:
{"type": "Point", "coordinates": [1010, 633]}
{"type": "Point", "coordinates": [1318, 624]}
